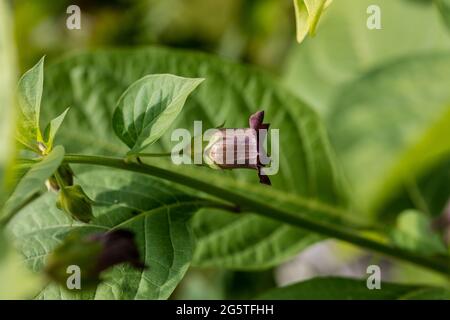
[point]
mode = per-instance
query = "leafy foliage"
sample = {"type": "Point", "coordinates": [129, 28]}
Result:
{"type": "Point", "coordinates": [230, 93]}
{"type": "Point", "coordinates": [156, 213]}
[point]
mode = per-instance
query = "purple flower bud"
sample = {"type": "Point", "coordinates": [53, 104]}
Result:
{"type": "Point", "coordinates": [239, 148]}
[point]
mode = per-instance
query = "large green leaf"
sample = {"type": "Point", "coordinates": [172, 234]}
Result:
{"type": "Point", "coordinates": [33, 181]}
{"type": "Point", "coordinates": [156, 213]}
{"type": "Point", "coordinates": [92, 83]}
{"type": "Point", "coordinates": [333, 288]}
{"type": "Point", "coordinates": [345, 48]}
{"type": "Point", "coordinates": [149, 107]}
{"type": "Point", "coordinates": [395, 120]}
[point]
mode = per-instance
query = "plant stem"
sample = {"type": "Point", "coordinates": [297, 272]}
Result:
{"type": "Point", "coordinates": [276, 213]}
{"type": "Point", "coordinates": [153, 155]}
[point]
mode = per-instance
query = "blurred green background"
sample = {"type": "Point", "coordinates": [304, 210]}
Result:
{"type": "Point", "coordinates": [334, 72]}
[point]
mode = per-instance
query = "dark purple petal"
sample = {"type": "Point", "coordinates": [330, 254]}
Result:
{"type": "Point", "coordinates": [264, 179]}
{"type": "Point", "coordinates": [118, 247]}
{"type": "Point", "coordinates": [256, 120]}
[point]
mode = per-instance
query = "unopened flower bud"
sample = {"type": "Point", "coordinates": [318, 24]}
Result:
{"type": "Point", "coordinates": [76, 203]}
{"type": "Point", "coordinates": [239, 148]}
{"type": "Point", "coordinates": [93, 254]}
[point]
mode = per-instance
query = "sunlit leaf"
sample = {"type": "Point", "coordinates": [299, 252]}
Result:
{"type": "Point", "coordinates": [307, 15]}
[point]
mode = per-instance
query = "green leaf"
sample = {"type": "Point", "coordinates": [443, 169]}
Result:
{"type": "Point", "coordinates": [30, 96]}
{"type": "Point", "coordinates": [333, 288]}
{"type": "Point", "coordinates": [156, 213]}
{"type": "Point", "coordinates": [413, 232]}
{"type": "Point", "coordinates": [307, 15]}
{"type": "Point", "coordinates": [395, 121]}
{"type": "Point", "coordinates": [308, 179]}
{"type": "Point", "coordinates": [52, 129]}
{"type": "Point", "coordinates": [444, 8]}
{"type": "Point", "coordinates": [148, 108]}
{"type": "Point", "coordinates": [345, 48]}
{"type": "Point", "coordinates": [34, 181]}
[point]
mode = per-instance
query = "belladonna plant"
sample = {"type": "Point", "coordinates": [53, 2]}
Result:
{"type": "Point", "coordinates": [156, 215]}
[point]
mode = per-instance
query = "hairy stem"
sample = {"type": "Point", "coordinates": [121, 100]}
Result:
{"type": "Point", "coordinates": [276, 213]}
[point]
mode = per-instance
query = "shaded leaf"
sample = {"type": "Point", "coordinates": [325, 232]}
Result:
{"type": "Point", "coordinates": [307, 15]}
{"type": "Point", "coordinates": [52, 129]}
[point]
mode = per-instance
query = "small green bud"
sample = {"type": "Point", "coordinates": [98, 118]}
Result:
{"type": "Point", "coordinates": [76, 203]}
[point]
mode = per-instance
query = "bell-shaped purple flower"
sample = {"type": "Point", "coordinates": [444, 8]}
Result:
{"type": "Point", "coordinates": [239, 148]}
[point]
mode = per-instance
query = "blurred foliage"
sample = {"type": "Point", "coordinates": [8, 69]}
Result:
{"type": "Point", "coordinates": [16, 281]}
{"type": "Point", "coordinates": [257, 31]}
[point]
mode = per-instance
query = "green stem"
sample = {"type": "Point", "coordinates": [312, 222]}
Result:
{"type": "Point", "coordinates": [152, 155]}
{"type": "Point", "coordinates": [276, 213]}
